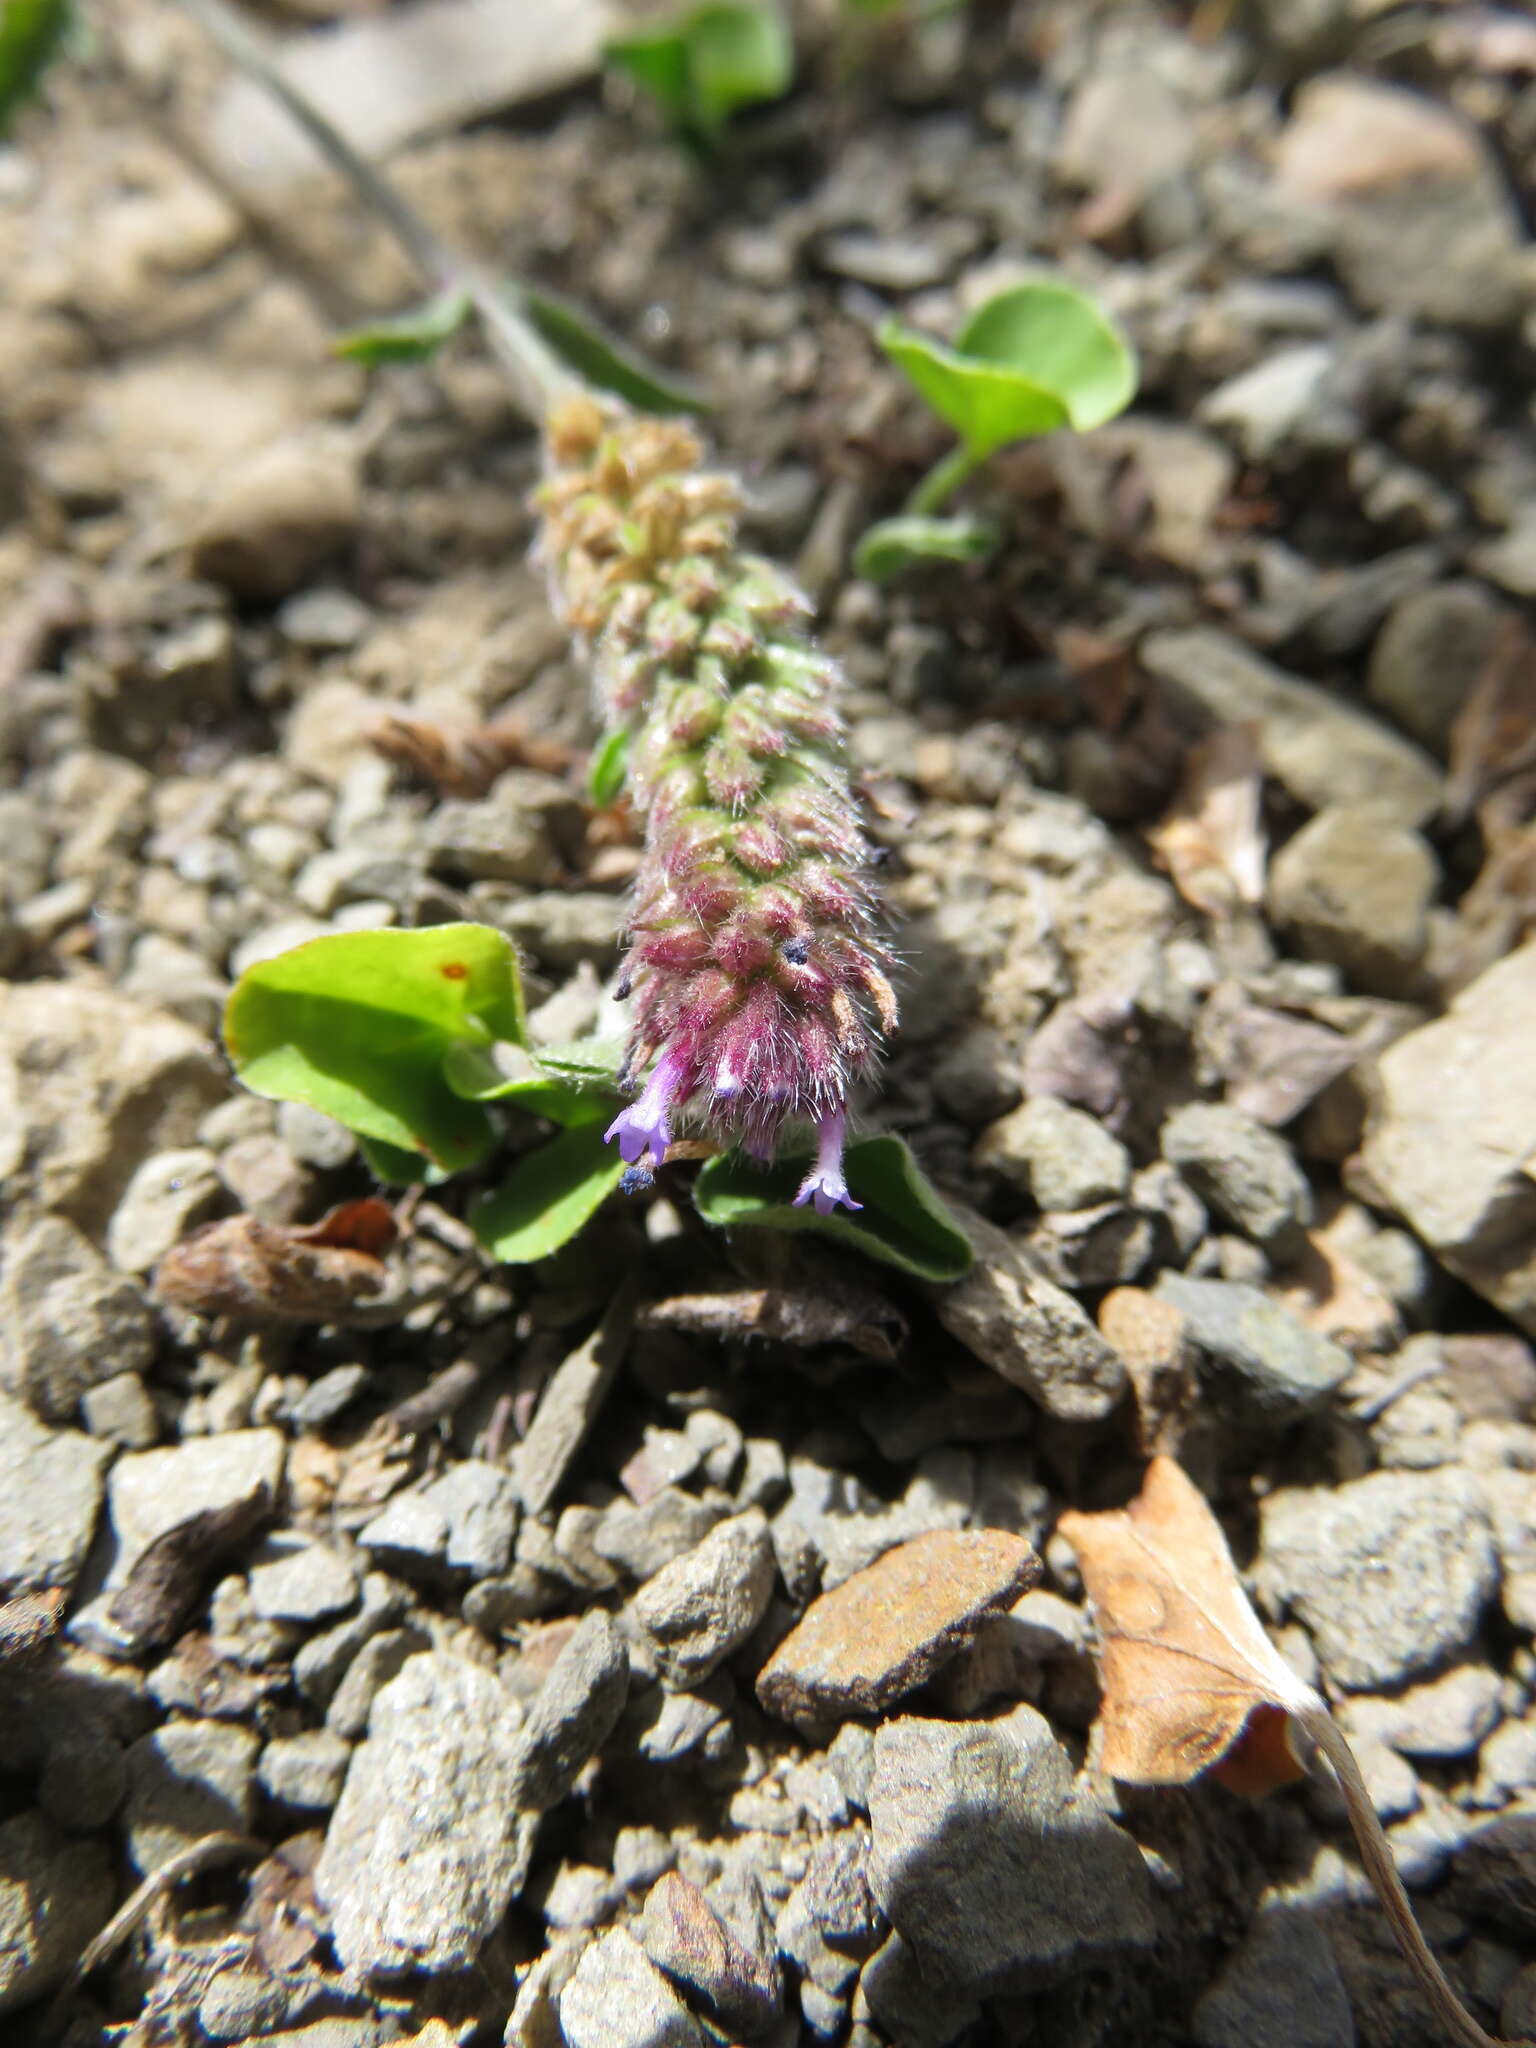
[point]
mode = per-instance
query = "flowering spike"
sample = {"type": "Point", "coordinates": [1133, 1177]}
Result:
{"type": "Point", "coordinates": [759, 982]}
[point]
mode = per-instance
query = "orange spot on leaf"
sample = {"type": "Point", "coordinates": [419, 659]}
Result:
{"type": "Point", "coordinates": [454, 970]}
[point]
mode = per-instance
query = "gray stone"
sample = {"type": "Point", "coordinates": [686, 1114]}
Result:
{"type": "Point", "coordinates": [424, 1853]}
{"type": "Point", "coordinates": [166, 975]}
{"type": "Point", "coordinates": [1061, 1156]}
{"type": "Point", "coordinates": [326, 621]}
{"type": "Point", "coordinates": [1280, 1988]}
{"type": "Point", "coordinates": [56, 1892]}
{"type": "Point", "coordinates": [1355, 891]}
{"type": "Point", "coordinates": [695, 1611]}
{"type": "Point", "coordinates": [122, 1410]}
{"type": "Point", "coordinates": [305, 1771]}
{"type": "Point", "coordinates": [1262, 407]}
{"type": "Point", "coordinates": [382, 1657]}
{"type": "Point", "coordinates": [314, 1139]}
{"type": "Point", "coordinates": [1428, 655]}
{"type": "Point", "coordinates": [1243, 1171]}
{"type": "Point", "coordinates": [1510, 561]}
{"type": "Point", "coordinates": [300, 1581]}
{"type": "Point", "coordinates": [687, 1940]}
{"type": "Point", "coordinates": [617, 1998]}
{"type": "Point", "coordinates": [640, 1540]}
{"type": "Point", "coordinates": [478, 1503]}
{"type": "Point", "coordinates": [329, 1395]}
{"type": "Point", "coordinates": [1446, 1716]}
{"type": "Point", "coordinates": [85, 1778]}
{"type": "Point", "coordinates": [169, 1195]}
{"type": "Point", "coordinates": [278, 517]}
{"type": "Point", "coordinates": [66, 1320]}
{"type": "Point", "coordinates": [322, 1663]}
{"type": "Point", "coordinates": [566, 1410]}
{"type": "Point", "coordinates": [408, 1530]}
{"type": "Point", "coordinates": [1391, 1573]}
{"type": "Point", "coordinates": [576, 1710]}
{"type": "Point", "coordinates": [241, 2003]}
{"type": "Point", "coordinates": [1028, 1329]}
{"type": "Point", "coordinates": [831, 1922]}
{"type": "Point", "coordinates": [152, 1491]}
{"type": "Point", "coordinates": [1452, 1132]}
{"type": "Point", "coordinates": [1321, 748]}
{"type": "Point", "coordinates": [1258, 1352]}
{"type": "Point", "coordinates": [484, 841]}
{"type": "Point", "coordinates": [994, 1866]}
{"type": "Point", "coordinates": [562, 929]}
{"type": "Point", "coordinates": [91, 1083]}
{"type": "Point", "coordinates": [50, 1496]}
{"type": "Point", "coordinates": [186, 1780]}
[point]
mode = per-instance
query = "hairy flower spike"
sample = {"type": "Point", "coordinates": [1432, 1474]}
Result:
{"type": "Point", "coordinates": [759, 976]}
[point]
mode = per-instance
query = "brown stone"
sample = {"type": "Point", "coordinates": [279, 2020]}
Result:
{"type": "Point", "coordinates": [887, 1630]}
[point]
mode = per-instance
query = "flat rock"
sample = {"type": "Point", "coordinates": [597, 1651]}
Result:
{"type": "Point", "coordinates": [705, 1604]}
{"type": "Point", "coordinates": [301, 1581]}
{"type": "Point", "coordinates": [1243, 1171]}
{"type": "Point", "coordinates": [68, 1320]}
{"type": "Point", "coordinates": [1451, 1138]}
{"type": "Point", "coordinates": [1428, 656]}
{"type": "Point", "coordinates": [1391, 1574]}
{"type": "Point", "coordinates": [1028, 1329]}
{"type": "Point", "coordinates": [169, 1195]}
{"type": "Point", "coordinates": [617, 1998]}
{"type": "Point", "coordinates": [998, 1871]}
{"type": "Point", "coordinates": [1255, 1348]}
{"type": "Point", "coordinates": [1279, 1988]}
{"type": "Point", "coordinates": [305, 1771]}
{"type": "Point", "coordinates": [1061, 1156]}
{"type": "Point", "coordinates": [152, 1491]}
{"type": "Point", "coordinates": [1356, 891]}
{"type": "Point", "coordinates": [91, 1084]}
{"type": "Point", "coordinates": [689, 1943]}
{"type": "Point", "coordinates": [1321, 748]}
{"type": "Point", "coordinates": [576, 1708]}
{"type": "Point", "coordinates": [424, 1852]}
{"type": "Point", "coordinates": [888, 1628]}
{"type": "Point", "coordinates": [278, 517]}
{"type": "Point", "coordinates": [56, 1892]}
{"type": "Point", "coordinates": [1446, 1716]}
{"type": "Point", "coordinates": [50, 1495]}
{"type": "Point", "coordinates": [186, 1780]}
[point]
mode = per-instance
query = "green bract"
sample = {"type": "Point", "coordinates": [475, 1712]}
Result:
{"type": "Point", "coordinates": [603, 361]}
{"type": "Point", "coordinates": [31, 32]}
{"type": "Point", "coordinates": [610, 768]}
{"type": "Point", "coordinates": [1035, 358]}
{"type": "Point", "coordinates": [702, 66]}
{"type": "Point", "coordinates": [359, 1024]}
{"type": "Point", "coordinates": [413, 337]}
{"type": "Point", "coordinates": [903, 1222]}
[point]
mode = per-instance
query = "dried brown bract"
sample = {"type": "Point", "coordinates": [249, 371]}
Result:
{"type": "Point", "coordinates": [464, 760]}
{"type": "Point", "coordinates": [269, 1271]}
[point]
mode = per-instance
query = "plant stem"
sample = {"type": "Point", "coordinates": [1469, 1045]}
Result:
{"type": "Point", "coordinates": [540, 380]}
{"type": "Point", "coordinates": [1376, 1855]}
{"type": "Point", "coordinates": [944, 479]}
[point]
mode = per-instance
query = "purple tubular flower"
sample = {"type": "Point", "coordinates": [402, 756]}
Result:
{"type": "Point", "coordinates": [824, 1184]}
{"type": "Point", "coordinates": [755, 956]}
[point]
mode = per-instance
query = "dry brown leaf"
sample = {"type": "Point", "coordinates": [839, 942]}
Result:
{"type": "Point", "coordinates": [1190, 1681]}
{"type": "Point", "coordinates": [164, 1584]}
{"type": "Point", "coordinates": [1494, 736]}
{"type": "Point", "coordinates": [270, 1271]}
{"type": "Point", "coordinates": [27, 1623]}
{"type": "Point", "coordinates": [1212, 840]}
{"type": "Point", "coordinates": [464, 760]}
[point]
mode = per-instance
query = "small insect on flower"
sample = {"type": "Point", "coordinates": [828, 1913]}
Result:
{"type": "Point", "coordinates": [755, 956]}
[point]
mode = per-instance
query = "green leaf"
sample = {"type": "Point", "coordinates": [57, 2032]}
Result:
{"type": "Point", "coordinates": [393, 1164]}
{"type": "Point", "coordinates": [547, 1197]}
{"type": "Point", "coordinates": [412, 338]}
{"type": "Point", "coordinates": [610, 766]}
{"type": "Point", "coordinates": [601, 359]}
{"type": "Point", "coordinates": [704, 65]}
{"type": "Point", "coordinates": [31, 32]}
{"type": "Point", "coordinates": [474, 1076]}
{"type": "Point", "coordinates": [896, 544]}
{"type": "Point", "coordinates": [596, 1060]}
{"type": "Point", "coordinates": [359, 1024]}
{"type": "Point", "coordinates": [903, 1222]}
{"type": "Point", "coordinates": [1032, 359]}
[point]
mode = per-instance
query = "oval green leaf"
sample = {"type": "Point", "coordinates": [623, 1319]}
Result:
{"type": "Point", "coordinates": [1032, 359]}
{"type": "Point", "coordinates": [548, 1196]}
{"type": "Point", "coordinates": [413, 337]}
{"type": "Point", "coordinates": [903, 1222]}
{"type": "Point", "coordinates": [358, 1024]}
{"type": "Point", "coordinates": [894, 545]}
{"type": "Point", "coordinates": [473, 1075]}
{"type": "Point", "coordinates": [703, 66]}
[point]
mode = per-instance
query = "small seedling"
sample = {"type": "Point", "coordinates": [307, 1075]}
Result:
{"type": "Point", "coordinates": [1033, 359]}
{"type": "Point", "coordinates": [703, 66]}
{"type": "Point", "coordinates": [31, 34]}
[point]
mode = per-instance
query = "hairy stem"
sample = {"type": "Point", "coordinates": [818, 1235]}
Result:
{"type": "Point", "coordinates": [540, 380]}
{"type": "Point", "coordinates": [1376, 1855]}
{"type": "Point", "coordinates": [943, 480]}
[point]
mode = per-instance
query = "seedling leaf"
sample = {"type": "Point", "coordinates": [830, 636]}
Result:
{"type": "Point", "coordinates": [548, 1196]}
{"type": "Point", "coordinates": [703, 66]}
{"type": "Point", "coordinates": [413, 337]}
{"type": "Point", "coordinates": [1032, 359]}
{"type": "Point", "coordinates": [31, 33]}
{"type": "Point", "coordinates": [894, 545]}
{"type": "Point", "coordinates": [903, 1222]}
{"type": "Point", "coordinates": [358, 1024]}
{"type": "Point", "coordinates": [601, 359]}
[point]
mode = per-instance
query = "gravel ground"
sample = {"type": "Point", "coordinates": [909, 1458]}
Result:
{"type": "Point", "coordinates": [701, 1665]}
